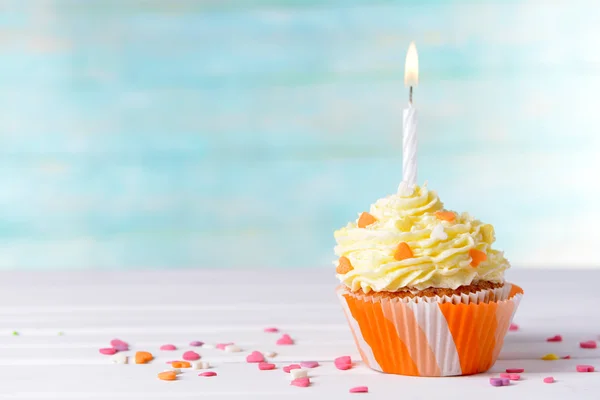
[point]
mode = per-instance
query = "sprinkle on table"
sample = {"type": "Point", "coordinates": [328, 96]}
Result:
{"type": "Point", "coordinates": [513, 327]}
{"type": "Point", "coordinates": [255, 357]}
{"type": "Point", "coordinates": [264, 366]}
{"type": "Point", "coordinates": [359, 389]}
{"type": "Point", "coordinates": [143, 357]}
{"type": "Point", "coordinates": [584, 368]}
{"type": "Point", "coordinates": [271, 329]}
{"type": "Point", "coordinates": [196, 343]}
{"type": "Point", "coordinates": [365, 220]}
{"type": "Point", "coordinates": [301, 382]}
{"type": "Point", "coordinates": [290, 367]}
{"type": "Point", "coordinates": [108, 351]}
{"type": "Point", "coordinates": [309, 364]}
{"type": "Point", "coordinates": [550, 357]}
{"type": "Point", "coordinates": [298, 373]}
{"type": "Point", "coordinates": [168, 347]}
{"type": "Point", "coordinates": [555, 338]}
{"type": "Point", "coordinates": [590, 344]}
{"type": "Point", "coordinates": [344, 266]}
{"type": "Point", "coordinates": [403, 252]}
{"type": "Point", "coordinates": [181, 364]}
{"type": "Point", "coordinates": [477, 257]}
{"type": "Point", "coordinates": [207, 373]}
{"type": "Point", "coordinates": [190, 356]}
{"type": "Point", "coordinates": [285, 340]}
{"type": "Point", "coordinates": [515, 370]}
{"type": "Point", "coordinates": [167, 376]}
{"type": "Point", "coordinates": [549, 379]}
{"type": "Point", "coordinates": [512, 377]}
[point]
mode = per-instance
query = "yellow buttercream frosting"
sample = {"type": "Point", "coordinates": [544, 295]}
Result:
{"type": "Point", "coordinates": [441, 249]}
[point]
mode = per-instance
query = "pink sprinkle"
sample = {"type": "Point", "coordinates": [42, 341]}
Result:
{"type": "Point", "coordinates": [285, 340]}
{"type": "Point", "coordinates": [566, 357]}
{"type": "Point", "coordinates": [343, 367]}
{"type": "Point", "coordinates": [359, 389]}
{"type": "Point", "coordinates": [271, 330]}
{"type": "Point", "coordinates": [555, 338]}
{"type": "Point", "coordinates": [263, 366]}
{"type": "Point", "coordinates": [343, 360]}
{"type": "Point", "coordinates": [255, 357]}
{"type": "Point", "coordinates": [585, 368]}
{"type": "Point", "coordinates": [108, 351]}
{"type": "Point", "coordinates": [496, 382]}
{"type": "Point", "coordinates": [513, 327]}
{"type": "Point", "coordinates": [196, 343]}
{"type": "Point", "coordinates": [515, 370]}
{"type": "Point", "coordinates": [207, 373]}
{"type": "Point", "coordinates": [549, 379]}
{"type": "Point", "coordinates": [221, 346]}
{"type": "Point", "coordinates": [301, 382]}
{"type": "Point", "coordinates": [119, 345]}
{"type": "Point", "coordinates": [512, 377]}
{"type": "Point", "coordinates": [309, 364]}
{"type": "Point", "coordinates": [168, 347]}
{"type": "Point", "coordinates": [191, 356]}
{"type": "Point", "coordinates": [590, 344]}
{"type": "Point", "coordinates": [290, 367]}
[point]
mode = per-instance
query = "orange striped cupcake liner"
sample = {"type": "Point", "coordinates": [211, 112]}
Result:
{"type": "Point", "coordinates": [425, 337]}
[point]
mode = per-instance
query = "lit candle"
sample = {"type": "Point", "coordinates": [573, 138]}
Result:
{"type": "Point", "coordinates": [409, 120]}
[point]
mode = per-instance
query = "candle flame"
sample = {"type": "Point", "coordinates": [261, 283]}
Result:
{"type": "Point", "coordinates": [411, 68]}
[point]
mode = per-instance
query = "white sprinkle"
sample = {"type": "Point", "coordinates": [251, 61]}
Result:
{"type": "Point", "coordinates": [118, 358]}
{"type": "Point", "coordinates": [406, 190]}
{"type": "Point", "coordinates": [232, 348]}
{"type": "Point", "coordinates": [200, 365]}
{"type": "Point", "coordinates": [176, 370]}
{"type": "Point", "coordinates": [298, 373]}
{"type": "Point", "coordinates": [208, 346]}
{"type": "Point", "coordinates": [269, 354]}
{"type": "Point", "coordinates": [438, 233]}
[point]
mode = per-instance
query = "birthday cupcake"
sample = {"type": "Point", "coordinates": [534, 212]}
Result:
{"type": "Point", "coordinates": [422, 288]}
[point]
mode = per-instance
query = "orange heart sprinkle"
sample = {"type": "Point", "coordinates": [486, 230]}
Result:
{"type": "Point", "coordinates": [365, 220]}
{"type": "Point", "coordinates": [180, 364]}
{"type": "Point", "coordinates": [167, 376]}
{"type": "Point", "coordinates": [445, 215]}
{"type": "Point", "coordinates": [477, 257]}
{"type": "Point", "coordinates": [403, 252]}
{"type": "Point", "coordinates": [143, 357]}
{"type": "Point", "coordinates": [344, 266]}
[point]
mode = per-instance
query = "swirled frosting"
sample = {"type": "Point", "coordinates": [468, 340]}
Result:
{"type": "Point", "coordinates": [442, 249]}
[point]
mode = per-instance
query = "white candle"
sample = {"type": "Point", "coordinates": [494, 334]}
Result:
{"type": "Point", "coordinates": [409, 120]}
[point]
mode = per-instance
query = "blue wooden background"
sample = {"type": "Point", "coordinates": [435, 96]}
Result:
{"type": "Point", "coordinates": [241, 133]}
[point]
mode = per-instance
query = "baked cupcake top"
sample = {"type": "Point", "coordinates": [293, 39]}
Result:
{"type": "Point", "coordinates": [408, 241]}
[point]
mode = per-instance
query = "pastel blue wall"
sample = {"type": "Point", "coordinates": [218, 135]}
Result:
{"type": "Point", "coordinates": [243, 132]}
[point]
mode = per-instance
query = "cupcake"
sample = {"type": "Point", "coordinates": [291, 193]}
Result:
{"type": "Point", "coordinates": [422, 288]}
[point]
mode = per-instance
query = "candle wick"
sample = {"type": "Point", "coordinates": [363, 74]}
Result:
{"type": "Point", "coordinates": [410, 96]}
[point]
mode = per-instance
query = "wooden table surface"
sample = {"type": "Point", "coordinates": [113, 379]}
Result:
{"type": "Point", "coordinates": [151, 308]}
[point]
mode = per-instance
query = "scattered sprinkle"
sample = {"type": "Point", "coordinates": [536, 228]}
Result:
{"type": "Point", "coordinates": [584, 368]}
{"type": "Point", "coordinates": [181, 364]}
{"type": "Point", "coordinates": [301, 382]}
{"type": "Point", "coordinates": [359, 389]}
{"type": "Point", "coordinates": [221, 346]}
{"type": "Point", "coordinates": [403, 252]}
{"type": "Point", "coordinates": [298, 373]}
{"type": "Point", "coordinates": [15, 333]}
{"type": "Point", "coordinates": [119, 345]}
{"type": "Point", "coordinates": [309, 364]}
{"type": "Point", "coordinates": [207, 373]}
{"type": "Point", "coordinates": [271, 330]}
{"type": "Point", "coordinates": [196, 343]}
{"type": "Point", "coordinates": [176, 370]}
{"type": "Point", "coordinates": [343, 360]}
{"type": "Point", "coordinates": [566, 357]}
{"type": "Point", "coordinates": [168, 347]}
{"type": "Point", "coordinates": [477, 257]}
{"type": "Point", "coordinates": [109, 351]}
{"type": "Point", "coordinates": [270, 354]}
{"type": "Point", "coordinates": [555, 338]}
{"type": "Point", "coordinates": [143, 357]}
{"type": "Point", "coordinates": [285, 340]}
{"type": "Point", "coordinates": [344, 266]}
{"type": "Point", "coordinates": [550, 357]}
{"type": "Point", "coordinates": [513, 327]}
{"type": "Point", "coordinates": [200, 365]}
{"type": "Point", "coordinates": [232, 348]}
{"type": "Point", "coordinates": [263, 366]}
{"type": "Point", "coordinates": [365, 220]}
{"type": "Point", "coordinates": [590, 344]}
{"type": "Point", "coordinates": [549, 379]}
{"type": "Point", "coordinates": [190, 356]}
{"type": "Point", "coordinates": [438, 233]}
{"type": "Point", "coordinates": [512, 377]}
{"type": "Point", "coordinates": [515, 370]}
{"type": "Point", "coordinates": [119, 358]}
{"type": "Point", "coordinates": [496, 382]}
{"type": "Point", "coordinates": [290, 367]}
{"type": "Point", "coordinates": [167, 376]}
{"type": "Point", "coordinates": [445, 215]}
{"type": "Point", "coordinates": [255, 357]}
{"type": "Point", "coordinates": [343, 367]}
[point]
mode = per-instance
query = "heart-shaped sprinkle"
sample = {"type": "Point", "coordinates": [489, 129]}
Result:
{"type": "Point", "coordinates": [108, 351]}
{"type": "Point", "coordinates": [119, 345]}
{"type": "Point", "coordinates": [143, 357]}
{"type": "Point", "coordinates": [515, 370]}
{"type": "Point", "coordinates": [343, 367]}
{"type": "Point", "coordinates": [290, 367]}
{"type": "Point", "coordinates": [207, 373]}
{"type": "Point", "coordinates": [344, 266]}
{"type": "Point", "coordinates": [555, 338]}
{"type": "Point", "coordinates": [403, 252]}
{"type": "Point", "coordinates": [255, 357]}
{"type": "Point", "coordinates": [263, 366]}
{"type": "Point", "coordinates": [301, 382]}
{"type": "Point", "coordinates": [477, 257]}
{"type": "Point", "coordinates": [549, 379]}
{"type": "Point", "coordinates": [232, 348]}
{"type": "Point", "coordinates": [513, 327]}
{"type": "Point", "coordinates": [445, 215]}
{"type": "Point", "coordinates": [200, 365]}
{"type": "Point", "coordinates": [359, 389]}
{"type": "Point", "coordinates": [168, 347]}
{"type": "Point", "coordinates": [343, 360]}
{"type": "Point", "coordinates": [298, 373]}
{"type": "Point", "coordinates": [550, 357]}
{"type": "Point", "coordinates": [438, 232]}
{"type": "Point", "coordinates": [221, 346]}
{"type": "Point", "coordinates": [365, 220]}
{"type": "Point", "coordinates": [590, 344]}
{"type": "Point", "coordinates": [119, 358]}
{"type": "Point", "coordinates": [167, 376]}
{"type": "Point", "coordinates": [309, 364]}
{"type": "Point", "coordinates": [271, 330]}
{"type": "Point", "coordinates": [584, 368]}
{"type": "Point", "coordinates": [181, 364]}
{"type": "Point", "coordinates": [196, 343]}
{"type": "Point", "coordinates": [270, 354]}
{"type": "Point", "coordinates": [285, 340]}
{"type": "Point", "coordinates": [191, 356]}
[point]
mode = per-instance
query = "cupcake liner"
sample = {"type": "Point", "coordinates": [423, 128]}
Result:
{"type": "Point", "coordinates": [457, 335]}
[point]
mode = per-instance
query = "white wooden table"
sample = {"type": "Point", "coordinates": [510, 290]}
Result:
{"type": "Point", "coordinates": [148, 309]}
